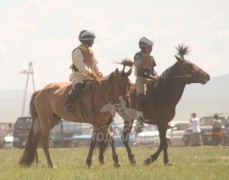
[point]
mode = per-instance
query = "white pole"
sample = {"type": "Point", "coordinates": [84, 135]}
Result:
{"type": "Point", "coordinates": [26, 86]}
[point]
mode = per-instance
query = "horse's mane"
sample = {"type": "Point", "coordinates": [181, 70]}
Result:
{"type": "Point", "coordinates": [160, 89]}
{"type": "Point", "coordinates": [182, 50]}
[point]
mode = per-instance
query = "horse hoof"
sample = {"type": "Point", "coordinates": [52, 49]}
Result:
{"type": "Point", "coordinates": [132, 159]}
{"type": "Point", "coordinates": [147, 161]}
{"type": "Point", "coordinates": [90, 166]}
{"type": "Point", "coordinates": [133, 162]}
{"type": "Point", "coordinates": [117, 165]}
{"type": "Point", "coordinates": [168, 164]}
{"type": "Point", "coordinates": [50, 166]}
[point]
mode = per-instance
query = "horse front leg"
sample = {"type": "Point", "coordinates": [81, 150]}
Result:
{"type": "Point", "coordinates": [165, 149]}
{"type": "Point", "coordinates": [125, 139]}
{"type": "Point", "coordinates": [101, 150]}
{"type": "Point", "coordinates": [91, 150]}
{"type": "Point", "coordinates": [163, 146]}
{"type": "Point", "coordinates": [117, 164]}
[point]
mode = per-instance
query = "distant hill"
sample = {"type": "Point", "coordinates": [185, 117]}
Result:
{"type": "Point", "coordinates": [212, 97]}
{"type": "Point", "coordinates": [11, 105]}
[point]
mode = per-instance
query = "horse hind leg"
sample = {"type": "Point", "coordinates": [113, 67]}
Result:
{"type": "Point", "coordinates": [46, 150]}
{"type": "Point", "coordinates": [30, 153]}
{"type": "Point", "coordinates": [47, 124]}
{"type": "Point", "coordinates": [125, 140]}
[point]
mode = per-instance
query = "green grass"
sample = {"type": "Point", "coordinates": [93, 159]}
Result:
{"type": "Point", "coordinates": [188, 163]}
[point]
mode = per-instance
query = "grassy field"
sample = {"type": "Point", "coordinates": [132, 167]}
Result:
{"type": "Point", "coordinates": [188, 163]}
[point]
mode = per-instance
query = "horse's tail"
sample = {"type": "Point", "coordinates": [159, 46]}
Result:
{"type": "Point", "coordinates": [30, 152]}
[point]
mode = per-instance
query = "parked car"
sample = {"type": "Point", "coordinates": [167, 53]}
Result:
{"type": "Point", "coordinates": [9, 140]}
{"type": "Point", "coordinates": [21, 131]}
{"type": "Point", "coordinates": [149, 136]}
{"type": "Point", "coordinates": [62, 131]}
{"type": "Point", "coordinates": [175, 133]}
{"type": "Point", "coordinates": [82, 139]}
{"type": "Point", "coordinates": [206, 123]}
{"type": "Point", "coordinates": [85, 139]}
{"type": "Point", "coordinates": [226, 135]}
{"type": "Point", "coordinates": [2, 140]}
{"type": "Point", "coordinates": [117, 134]}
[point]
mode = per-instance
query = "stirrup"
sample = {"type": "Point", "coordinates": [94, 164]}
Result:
{"type": "Point", "coordinates": [68, 108]}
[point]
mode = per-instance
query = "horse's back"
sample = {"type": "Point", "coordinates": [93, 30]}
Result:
{"type": "Point", "coordinates": [53, 93]}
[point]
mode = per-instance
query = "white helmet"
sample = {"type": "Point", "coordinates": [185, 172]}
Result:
{"type": "Point", "coordinates": [145, 41]}
{"type": "Point", "coordinates": [85, 35]}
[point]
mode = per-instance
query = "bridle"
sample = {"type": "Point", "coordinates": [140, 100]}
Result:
{"type": "Point", "coordinates": [115, 95]}
{"type": "Point", "coordinates": [185, 75]}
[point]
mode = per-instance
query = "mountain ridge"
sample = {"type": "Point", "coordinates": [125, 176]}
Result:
{"type": "Point", "coordinates": [212, 97]}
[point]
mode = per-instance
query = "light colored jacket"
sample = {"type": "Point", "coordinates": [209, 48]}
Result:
{"type": "Point", "coordinates": [83, 69]}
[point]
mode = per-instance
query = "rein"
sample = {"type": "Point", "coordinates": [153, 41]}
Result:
{"type": "Point", "coordinates": [184, 74]}
{"type": "Point", "coordinates": [109, 94]}
{"type": "Point", "coordinates": [93, 94]}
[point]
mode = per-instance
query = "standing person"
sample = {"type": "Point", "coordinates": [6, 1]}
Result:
{"type": "Point", "coordinates": [196, 139]}
{"type": "Point", "coordinates": [84, 66]}
{"type": "Point", "coordinates": [144, 70]}
{"type": "Point", "coordinates": [217, 131]}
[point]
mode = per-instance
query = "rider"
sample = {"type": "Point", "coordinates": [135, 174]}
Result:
{"type": "Point", "coordinates": [144, 71]}
{"type": "Point", "coordinates": [84, 66]}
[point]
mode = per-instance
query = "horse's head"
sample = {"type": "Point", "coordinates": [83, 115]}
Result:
{"type": "Point", "coordinates": [190, 72]}
{"type": "Point", "coordinates": [120, 83]}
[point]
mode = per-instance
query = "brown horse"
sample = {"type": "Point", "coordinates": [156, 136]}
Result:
{"type": "Point", "coordinates": [47, 109]}
{"type": "Point", "coordinates": [161, 100]}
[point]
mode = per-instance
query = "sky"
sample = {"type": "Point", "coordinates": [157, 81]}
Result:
{"type": "Point", "coordinates": [45, 32]}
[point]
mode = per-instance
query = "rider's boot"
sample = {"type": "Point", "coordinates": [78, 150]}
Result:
{"type": "Point", "coordinates": [71, 97]}
{"type": "Point", "coordinates": [140, 104]}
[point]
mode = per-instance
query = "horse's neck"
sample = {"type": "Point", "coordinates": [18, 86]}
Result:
{"type": "Point", "coordinates": [175, 92]}
{"type": "Point", "coordinates": [107, 89]}
{"type": "Point", "coordinates": [168, 90]}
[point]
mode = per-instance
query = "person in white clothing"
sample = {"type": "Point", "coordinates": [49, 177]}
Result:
{"type": "Point", "coordinates": [84, 66]}
{"type": "Point", "coordinates": [196, 139]}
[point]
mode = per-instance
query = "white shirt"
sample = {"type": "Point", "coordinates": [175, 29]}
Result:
{"type": "Point", "coordinates": [84, 70]}
{"type": "Point", "coordinates": [195, 125]}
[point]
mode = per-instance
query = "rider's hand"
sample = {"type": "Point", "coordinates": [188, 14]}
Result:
{"type": "Point", "coordinates": [154, 78]}
{"type": "Point", "coordinates": [92, 75]}
{"type": "Point", "coordinates": [99, 74]}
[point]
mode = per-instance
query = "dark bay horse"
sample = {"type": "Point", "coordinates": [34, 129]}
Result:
{"type": "Point", "coordinates": [161, 100]}
{"type": "Point", "coordinates": [47, 109]}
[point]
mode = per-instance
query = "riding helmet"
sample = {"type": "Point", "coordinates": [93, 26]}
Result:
{"type": "Point", "coordinates": [86, 35]}
{"type": "Point", "coordinates": [145, 41]}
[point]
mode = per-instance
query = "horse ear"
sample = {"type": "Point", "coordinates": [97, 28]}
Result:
{"type": "Point", "coordinates": [178, 58]}
{"type": "Point", "coordinates": [117, 73]}
{"type": "Point", "coordinates": [129, 72]}
{"type": "Point", "coordinates": [111, 77]}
